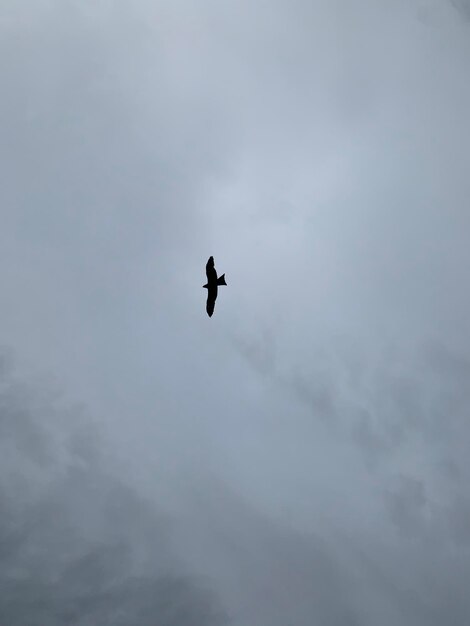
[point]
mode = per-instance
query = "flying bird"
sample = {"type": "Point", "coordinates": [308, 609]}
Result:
{"type": "Point", "coordinates": [212, 285]}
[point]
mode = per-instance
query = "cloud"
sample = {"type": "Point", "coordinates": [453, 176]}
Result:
{"type": "Point", "coordinates": [463, 6]}
{"type": "Point", "coordinates": [406, 503]}
{"type": "Point", "coordinates": [78, 546]}
{"type": "Point", "coordinates": [319, 152]}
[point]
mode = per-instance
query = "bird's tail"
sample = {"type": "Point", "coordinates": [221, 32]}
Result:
{"type": "Point", "coordinates": [221, 280]}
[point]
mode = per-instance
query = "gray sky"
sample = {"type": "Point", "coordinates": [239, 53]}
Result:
{"type": "Point", "coordinates": [302, 456]}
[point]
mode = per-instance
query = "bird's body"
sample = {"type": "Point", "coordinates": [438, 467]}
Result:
{"type": "Point", "coordinates": [212, 285]}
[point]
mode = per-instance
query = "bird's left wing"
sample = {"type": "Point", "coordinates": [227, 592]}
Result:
{"type": "Point", "coordinates": [210, 304]}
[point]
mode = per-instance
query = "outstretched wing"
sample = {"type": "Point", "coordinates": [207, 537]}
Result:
{"type": "Point", "coordinates": [210, 270]}
{"type": "Point", "coordinates": [211, 298]}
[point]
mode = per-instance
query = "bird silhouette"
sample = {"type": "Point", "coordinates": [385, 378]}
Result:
{"type": "Point", "coordinates": [212, 285]}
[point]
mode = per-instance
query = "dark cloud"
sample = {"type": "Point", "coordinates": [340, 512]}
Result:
{"type": "Point", "coordinates": [81, 547]}
{"type": "Point", "coordinates": [463, 6]}
{"type": "Point", "coordinates": [406, 502]}
{"type": "Point", "coordinates": [271, 573]}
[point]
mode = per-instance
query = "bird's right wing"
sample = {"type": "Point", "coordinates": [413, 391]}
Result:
{"type": "Point", "coordinates": [210, 270]}
{"type": "Point", "coordinates": [210, 304]}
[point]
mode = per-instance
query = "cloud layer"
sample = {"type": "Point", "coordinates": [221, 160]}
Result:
{"type": "Point", "coordinates": [303, 455]}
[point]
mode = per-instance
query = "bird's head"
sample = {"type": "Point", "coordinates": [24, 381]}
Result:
{"type": "Point", "coordinates": [205, 286]}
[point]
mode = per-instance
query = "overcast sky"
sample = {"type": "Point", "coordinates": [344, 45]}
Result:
{"type": "Point", "coordinates": [302, 457]}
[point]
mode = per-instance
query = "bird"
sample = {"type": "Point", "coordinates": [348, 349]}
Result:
{"type": "Point", "coordinates": [212, 285]}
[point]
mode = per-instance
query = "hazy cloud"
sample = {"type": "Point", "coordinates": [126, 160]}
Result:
{"type": "Point", "coordinates": [302, 456]}
{"type": "Point", "coordinates": [82, 547]}
{"type": "Point", "coordinates": [463, 6]}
